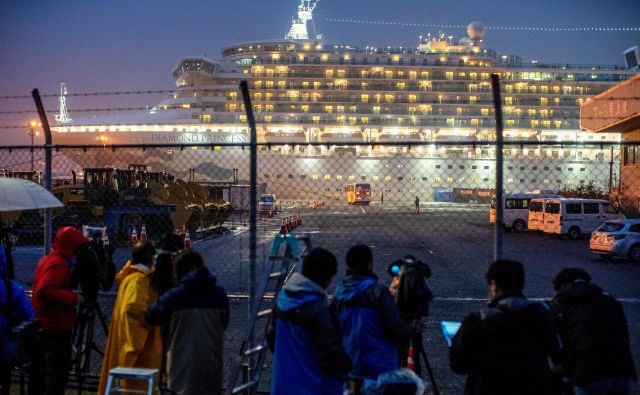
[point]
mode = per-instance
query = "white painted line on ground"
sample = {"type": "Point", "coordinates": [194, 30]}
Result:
{"type": "Point", "coordinates": [537, 299]}
{"type": "Point", "coordinates": [362, 208]}
{"type": "Point", "coordinates": [292, 207]}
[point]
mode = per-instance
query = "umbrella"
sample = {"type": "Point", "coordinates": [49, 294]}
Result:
{"type": "Point", "coordinates": [17, 194]}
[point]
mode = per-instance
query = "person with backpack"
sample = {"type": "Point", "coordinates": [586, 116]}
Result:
{"type": "Point", "coordinates": [505, 348]}
{"type": "Point", "coordinates": [597, 355]}
{"type": "Point", "coordinates": [15, 309]}
{"type": "Point", "coordinates": [308, 357]}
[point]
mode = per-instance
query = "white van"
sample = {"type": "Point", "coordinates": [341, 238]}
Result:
{"type": "Point", "coordinates": [516, 209]}
{"type": "Point", "coordinates": [574, 217]}
{"type": "Point", "coordinates": [536, 214]}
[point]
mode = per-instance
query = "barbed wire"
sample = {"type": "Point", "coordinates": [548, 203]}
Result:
{"type": "Point", "coordinates": [489, 27]}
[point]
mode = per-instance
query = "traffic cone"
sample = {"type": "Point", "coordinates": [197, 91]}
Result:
{"type": "Point", "coordinates": [134, 236]}
{"type": "Point", "coordinates": [187, 240]}
{"type": "Point", "coordinates": [105, 237]}
{"type": "Point", "coordinates": [143, 233]}
{"type": "Point", "coordinates": [283, 227]}
{"type": "Point", "coordinates": [410, 361]}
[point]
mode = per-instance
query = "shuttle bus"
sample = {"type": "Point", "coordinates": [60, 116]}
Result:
{"type": "Point", "coordinates": [358, 194]}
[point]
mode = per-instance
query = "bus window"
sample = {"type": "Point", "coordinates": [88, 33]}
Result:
{"type": "Point", "coordinates": [552, 208]}
{"type": "Point", "coordinates": [535, 206]}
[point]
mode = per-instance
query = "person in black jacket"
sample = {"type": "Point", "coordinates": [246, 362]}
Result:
{"type": "Point", "coordinates": [593, 326]}
{"type": "Point", "coordinates": [305, 338]}
{"type": "Point", "coordinates": [197, 313]}
{"type": "Point", "coordinates": [369, 319]}
{"type": "Point", "coordinates": [504, 348]}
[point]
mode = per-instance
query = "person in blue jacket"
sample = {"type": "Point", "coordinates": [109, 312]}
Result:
{"type": "Point", "coordinates": [369, 319]}
{"type": "Point", "coordinates": [15, 308]}
{"type": "Point", "coordinates": [308, 358]}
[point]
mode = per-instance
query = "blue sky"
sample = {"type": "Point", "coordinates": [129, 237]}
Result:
{"type": "Point", "coordinates": [133, 44]}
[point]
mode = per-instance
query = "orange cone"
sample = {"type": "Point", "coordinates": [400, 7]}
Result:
{"type": "Point", "coordinates": [410, 361]}
{"type": "Point", "coordinates": [143, 233]}
{"type": "Point", "coordinates": [283, 227]}
{"type": "Point", "coordinates": [187, 240]}
{"type": "Point", "coordinates": [134, 236]}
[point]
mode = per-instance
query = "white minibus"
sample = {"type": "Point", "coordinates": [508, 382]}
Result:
{"type": "Point", "coordinates": [575, 217]}
{"type": "Point", "coordinates": [516, 209]}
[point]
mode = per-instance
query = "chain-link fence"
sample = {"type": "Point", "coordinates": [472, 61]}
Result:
{"type": "Point", "coordinates": [434, 201]}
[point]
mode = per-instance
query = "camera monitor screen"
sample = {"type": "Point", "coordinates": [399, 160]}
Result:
{"type": "Point", "coordinates": [449, 329]}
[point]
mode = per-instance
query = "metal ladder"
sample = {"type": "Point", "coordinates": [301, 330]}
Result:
{"type": "Point", "coordinates": [278, 268]}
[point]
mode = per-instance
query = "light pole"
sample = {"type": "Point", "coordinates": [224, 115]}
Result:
{"type": "Point", "coordinates": [33, 133]}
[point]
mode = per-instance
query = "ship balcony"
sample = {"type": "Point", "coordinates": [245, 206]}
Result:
{"type": "Point", "coordinates": [347, 137]}
{"type": "Point", "coordinates": [400, 137]}
{"type": "Point", "coordinates": [297, 137]}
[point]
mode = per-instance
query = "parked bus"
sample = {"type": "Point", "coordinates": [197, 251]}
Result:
{"type": "Point", "coordinates": [358, 194]}
{"type": "Point", "coordinates": [515, 209]}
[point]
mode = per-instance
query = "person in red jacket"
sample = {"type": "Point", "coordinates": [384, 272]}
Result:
{"type": "Point", "coordinates": [54, 302]}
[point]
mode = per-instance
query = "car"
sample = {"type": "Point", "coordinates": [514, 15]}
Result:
{"type": "Point", "coordinates": [620, 238]}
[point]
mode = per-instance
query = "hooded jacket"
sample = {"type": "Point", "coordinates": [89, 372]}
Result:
{"type": "Point", "coordinates": [53, 298]}
{"type": "Point", "coordinates": [306, 342]}
{"type": "Point", "coordinates": [504, 349]}
{"type": "Point", "coordinates": [371, 324]}
{"type": "Point", "coordinates": [19, 310]}
{"type": "Point", "coordinates": [132, 342]}
{"type": "Point", "coordinates": [595, 334]}
{"type": "Point", "coordinates": [197, 313]}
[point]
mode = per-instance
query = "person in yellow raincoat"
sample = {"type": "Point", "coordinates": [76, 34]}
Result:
{"type": "Point", "coordinates": [132, 342]}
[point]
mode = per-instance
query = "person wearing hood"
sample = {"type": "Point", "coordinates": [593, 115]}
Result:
{"type": "Point", "coordinates": [133, 342]}
{"type": "Point", "coordinates": [15, 308]}
{"type": "Point", "coordinates": [308, 357]}
{"type": "Point", "coordinates": [197, 314]}
{"type": "Point", "coordinates": [369, 319]}
{"type": "Point", "coordinates": [54, 303]}
{"type": "Point", "coordinates": [593, 326]}
{"type": "Point", "coordinates": [505, 348]}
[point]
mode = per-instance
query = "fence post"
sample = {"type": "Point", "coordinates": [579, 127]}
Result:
{"type": "Point", "coordinates": [499, 225]}
{"type": "Point", "coordinates": [253, 175]}
{"type": "Point", "coordinates": [47, 166]}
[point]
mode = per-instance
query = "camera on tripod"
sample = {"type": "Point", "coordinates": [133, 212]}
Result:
{"type": "Point", "coordinates": [411, 292]}
{"type": "Point", "coordinates": [94, 269]}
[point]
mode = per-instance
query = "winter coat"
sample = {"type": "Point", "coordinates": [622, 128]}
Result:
{"type": "Point", "coordinates": [595, 334]}
{"type": "Point", "coordinates": [504, 349]}
{"type": "Point", "coordinates": [308, 355]}
{"type": "Point", "coordinates": [197, 313]}
{"type": "Point", "coordinates": [132, 342]}
{"type": "Point", "coordinates": [53, 298]}
{"type": "Point", "coordinates": [371, 325]}
{"type": "Point", "coordinates": [20, 311]}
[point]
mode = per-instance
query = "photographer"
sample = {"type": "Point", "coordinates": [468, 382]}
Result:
{"type": "Point", "coordinates": [412, 296]}
{"type": "Point", "coordinates": [54, 302]}
{"type": "Point", "coordinates": [15, 309]}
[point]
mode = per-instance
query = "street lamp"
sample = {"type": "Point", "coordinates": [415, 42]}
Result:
{"type": "Point", "coordinates": [33, 133]}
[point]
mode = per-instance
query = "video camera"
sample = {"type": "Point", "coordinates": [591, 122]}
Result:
{"type": "Point", "coordinates": [413, 294]}
{"type": "Point", "coordinates": [94, 269]}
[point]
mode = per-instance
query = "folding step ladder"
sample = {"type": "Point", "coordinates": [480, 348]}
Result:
{"type": "Point", "coordinates": [285, 255]}
{"type": "Point", "coordinates": [150, 376]}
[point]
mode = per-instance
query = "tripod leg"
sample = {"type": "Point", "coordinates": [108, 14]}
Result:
{"type": "Point", "coordinates": [103, 320]}
{"type": "Point", "coordinates": [436, 391]}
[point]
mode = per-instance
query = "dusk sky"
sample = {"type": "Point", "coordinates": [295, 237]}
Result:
{"type": "Point", "coordinates": [121, 45]}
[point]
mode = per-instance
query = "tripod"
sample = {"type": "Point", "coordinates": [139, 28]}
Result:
{"type": "Point", "coordinates": [83, 339]}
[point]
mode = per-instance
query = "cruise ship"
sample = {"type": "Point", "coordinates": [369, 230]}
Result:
{"type": "Point", "coordinates": [306, 92]}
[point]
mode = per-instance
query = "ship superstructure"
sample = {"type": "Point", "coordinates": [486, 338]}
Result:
{"type": "Point", "coordinates": [307, 90]}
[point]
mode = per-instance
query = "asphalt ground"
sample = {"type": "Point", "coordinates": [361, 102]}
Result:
{"type": "Point", "coordinates": [455, 240]}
